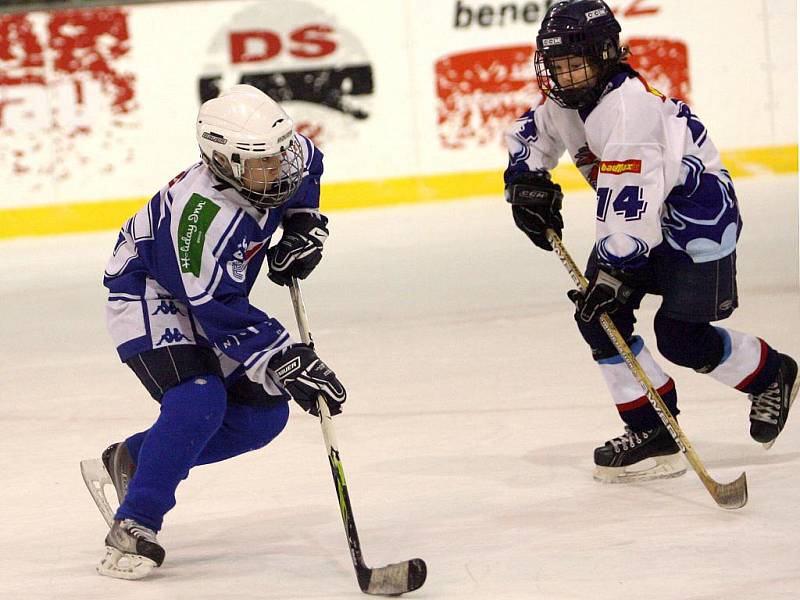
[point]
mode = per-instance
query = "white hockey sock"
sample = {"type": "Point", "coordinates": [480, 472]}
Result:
{"type": "Point", "coordinates": [625, 389]}
{"type": "Point", "coordinates": [743, 357]}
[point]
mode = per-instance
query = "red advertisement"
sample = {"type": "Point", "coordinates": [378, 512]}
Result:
{"type": "Point", "coordinates": [481, 92]}
{"type": "Point", "coordinates": [60, 80]}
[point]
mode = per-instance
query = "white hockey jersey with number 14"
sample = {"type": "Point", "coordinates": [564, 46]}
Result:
{"type": "Point", "coordinates": [658, 176]}
{"type": "Point", "coordinates": [184, 265]}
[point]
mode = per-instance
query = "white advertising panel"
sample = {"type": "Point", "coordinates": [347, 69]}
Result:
{"type": "Point", "coordinates": [99, 104]}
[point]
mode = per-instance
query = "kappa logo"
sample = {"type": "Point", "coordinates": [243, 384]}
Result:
{"type": "Point", "coordinates": [173, 336]}
{"type": "Point", "coordinates": [619, 167]}
{"type": "Point", "coordinates": [167, 307]}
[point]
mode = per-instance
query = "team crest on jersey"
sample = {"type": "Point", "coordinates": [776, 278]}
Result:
{"type": "Point", "coordinates": [237, 268]}
{"type": "Point", "coordinates": [619, 167]}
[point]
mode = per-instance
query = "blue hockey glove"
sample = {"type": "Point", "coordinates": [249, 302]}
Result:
{"type": "Point", "coordinates": [536, 205]}
{"type": "Point", "coordinates": [305, 377]}
{"type": "Point", "coordinates": [300, 247]}
{"type": "Point", "coordinates": [606, 292]}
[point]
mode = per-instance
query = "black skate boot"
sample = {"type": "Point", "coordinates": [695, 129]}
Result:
{"type": "Point", "coordinates": [771, 407]}
{"type": "Point", "coordinates": [132, 551]}
{"type": "Point", "coordinates": [638, 456]}
{"type": "Point", "coordinates": [114, 468]}
{"type": "Point", "coordinates": [119, 464]}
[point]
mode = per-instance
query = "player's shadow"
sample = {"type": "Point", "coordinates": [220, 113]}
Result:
{"type": "Point", "coordinates": [712, 454]}
{"type": "Point", "coordinates": [280, 542]}
{"type": "Point", "coordinates": [748, 456]}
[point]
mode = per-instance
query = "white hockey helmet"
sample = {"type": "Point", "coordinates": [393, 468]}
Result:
{"type": "Point", "coordinates": [248, 141]}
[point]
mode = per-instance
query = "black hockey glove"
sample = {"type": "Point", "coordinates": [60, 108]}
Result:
{"type": "Point", "coordinates": [305, 377]}
{"type": "Point", "coordinates": [536, 205]}
{"type": "Point", "coordinates": [300, 247]}
{"type": "Point", "coordinates": [606, 292]}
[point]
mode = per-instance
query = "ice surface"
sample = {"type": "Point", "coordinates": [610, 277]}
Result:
{"type": "Point", "coordinates": [467, 438]}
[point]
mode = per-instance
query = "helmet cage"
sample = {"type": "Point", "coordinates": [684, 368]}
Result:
{"type": "Point", "coordinates": [580, 85]}
{"type": "Point", "coordinates": [585, 30]}
{"type": "Point", "coordinates": [265, 185]}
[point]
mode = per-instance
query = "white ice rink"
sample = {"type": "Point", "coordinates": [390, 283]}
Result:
{"type": "Point", "coordinates": [467, 439]}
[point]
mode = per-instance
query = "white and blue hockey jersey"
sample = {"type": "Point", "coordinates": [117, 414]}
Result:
{"type": "Point", "coordinates": [184, 265]}
{"type": "Point", "coordinates": [658, 176]}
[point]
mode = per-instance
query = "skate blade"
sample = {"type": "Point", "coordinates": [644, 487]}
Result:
{"type": "Point", "coordinates": [121, 565]}
{"type": "Point", "coordinates": [659, 467]}
{"type": "Point", "coordinates": [792, 396]}
{"type": "Point", "coordinates": [96, 479]}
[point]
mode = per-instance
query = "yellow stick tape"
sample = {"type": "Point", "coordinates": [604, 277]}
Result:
{"type": "Point", "coordinates": [111, 214]}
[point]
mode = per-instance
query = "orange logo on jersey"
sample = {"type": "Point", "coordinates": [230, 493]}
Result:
{"type": "Point", "coordinates": [618, 167]}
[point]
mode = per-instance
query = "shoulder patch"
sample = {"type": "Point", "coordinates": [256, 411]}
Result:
{"type": "Point", "coordinates": [197, 216]}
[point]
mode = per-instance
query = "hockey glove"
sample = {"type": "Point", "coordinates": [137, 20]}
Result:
{"type": "Point", "coordinates": [300, 247]}
{"type": "Point", "coordinates": [536, 205]}
{"type": "Point", "coordinates": [606, 292]}
{"type": "Point", "coordinates": [305, 377]}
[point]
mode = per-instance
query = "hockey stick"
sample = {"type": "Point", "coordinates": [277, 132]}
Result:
{"type": "Point", "coordinates": [393, 579]}
{"type": "Point", "coordinates": [727, 495]}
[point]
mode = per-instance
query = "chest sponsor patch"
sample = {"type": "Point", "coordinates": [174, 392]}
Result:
{"type": "Point", "coordinates": [618, 167]}
{"type": "Point", "coordinates": [195, 221]}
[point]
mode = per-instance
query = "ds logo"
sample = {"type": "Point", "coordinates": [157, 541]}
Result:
{"type": "Point", "coordinates": [312, 41]}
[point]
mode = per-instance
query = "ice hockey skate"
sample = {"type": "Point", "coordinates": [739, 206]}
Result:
{"type": "Point", "coordinates": [638, 456]}
{"type": "Point", "coordinates": [771, 407]}
{"type": "Point", "coordinates": [115, 468]}
{"type": "Point", "coordinates": [132, 551]}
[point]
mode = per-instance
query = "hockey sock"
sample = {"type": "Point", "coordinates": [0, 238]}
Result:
{"type": "Point", "coordinates": [245, 428]}
{"type": "Point", "coordinates": [633, 406]}
{"type": "Point", "coordinates": [134, 444]}
{"type": "Point", "coordinates": [190, 415]}
{"type": "Point", "coordinates": [748, 363]}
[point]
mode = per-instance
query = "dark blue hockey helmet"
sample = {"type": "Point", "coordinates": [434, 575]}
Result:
{"type": "Point", "coordinates": [578, 51]}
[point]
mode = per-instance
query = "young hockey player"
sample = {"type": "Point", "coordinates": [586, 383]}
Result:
{"type": "Point", "coordinates": [180, 314]}
{"type": "Point", "coordinates": [667, 224]}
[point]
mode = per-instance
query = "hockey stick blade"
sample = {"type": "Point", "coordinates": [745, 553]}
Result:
{"type": "Point", "coordinates": [729, 495]}
{"type": "Point", "coordinates": [393, 579]}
